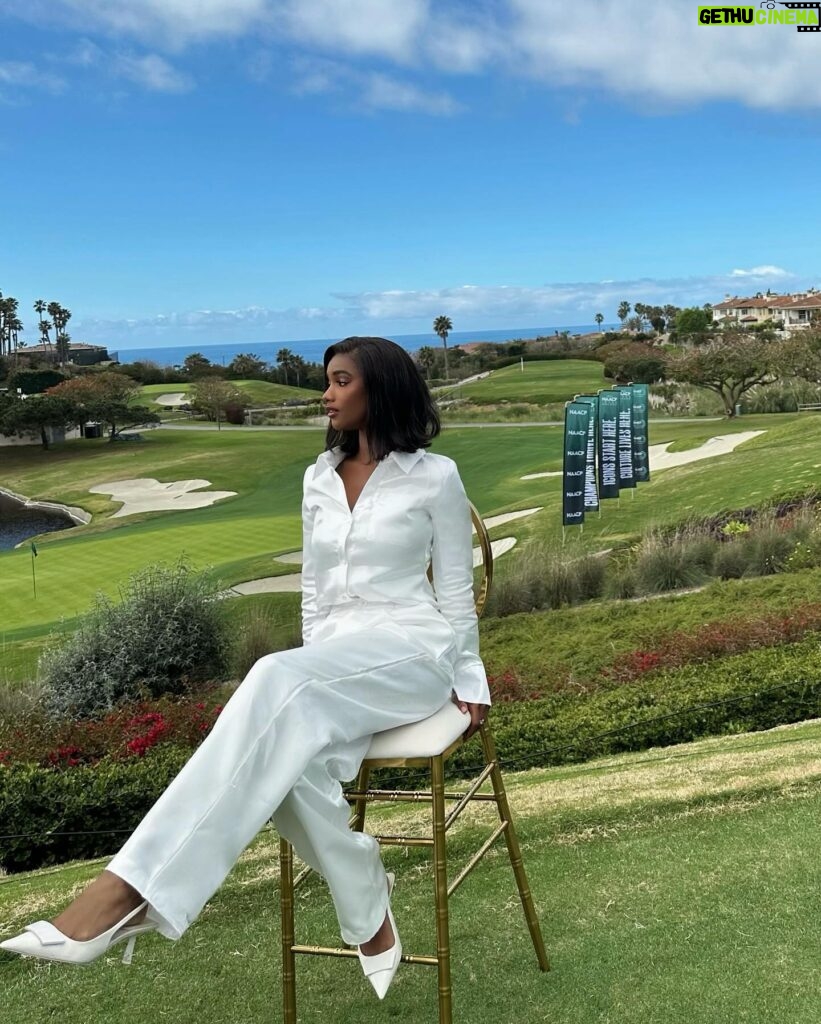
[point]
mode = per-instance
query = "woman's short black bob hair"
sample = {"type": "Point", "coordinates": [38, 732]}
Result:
{"type": "Point", "coordinates": [402, 415]}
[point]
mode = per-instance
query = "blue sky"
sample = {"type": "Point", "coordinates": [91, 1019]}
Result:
{"type": "Point", "coordinates": [262, 170]}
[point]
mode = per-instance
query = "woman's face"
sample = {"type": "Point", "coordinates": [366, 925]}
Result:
{"type": "Point", "coordinates": [346, 401]}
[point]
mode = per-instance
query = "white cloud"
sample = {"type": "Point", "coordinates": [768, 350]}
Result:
{"type": "Point", "coordinates": [650, 53]}
{"type": "Point", "coordinates": [559, 302]}
{"type": "Point", "coordinates": [659, 52]}
{"type": "Point", "coordinates": [148, 70]}
{"type": "Point", "coordinates": [382, 92]}
{"type": "Point", "coordinates": [503, 305]}
{"type": "Point", "coordinates": [368, 90]}
{"type": "Point", "coordinates": [175, 23]}
{"type": "Point", "coordinates": [767, 271]}
{"type": "Point", "coordinates": [152, 72]}
{"type": "Point", "coordinates": [387, 28]}
{"type": "Point", "coordinates": [24, 75]}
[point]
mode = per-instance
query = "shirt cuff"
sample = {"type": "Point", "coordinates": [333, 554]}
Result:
{"type": "Point", "coordinates": [470, 681]}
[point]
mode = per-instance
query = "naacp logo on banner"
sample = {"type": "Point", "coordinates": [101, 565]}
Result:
{"type": "Point", "coordinates": [805, 16]}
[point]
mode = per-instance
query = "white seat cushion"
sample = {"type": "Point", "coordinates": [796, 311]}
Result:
{"type": "Point", "coordinates": [427, 738]}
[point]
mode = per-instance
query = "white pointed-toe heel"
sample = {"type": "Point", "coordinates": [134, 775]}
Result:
{"type": "Point", "coordinates": [381, 968]}
{"type": "Point", "coordinates": [45, 941]}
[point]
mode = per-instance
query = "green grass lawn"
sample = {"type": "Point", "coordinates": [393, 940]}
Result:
{"type": "Point", "coordinates": [677, 885]}
{"type": "Point", "coordinates": [239, 536]}
{"type": "Point", "coordinates": [260, 392]}
{"type": "Point", "coordinates": [542, 381]}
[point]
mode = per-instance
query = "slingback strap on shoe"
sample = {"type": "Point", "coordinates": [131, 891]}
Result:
{"type": "Point", "coordinates": [44, 940]}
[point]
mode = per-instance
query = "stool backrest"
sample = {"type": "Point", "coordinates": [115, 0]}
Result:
{"type": "Point", "coordinates": [487, 560]}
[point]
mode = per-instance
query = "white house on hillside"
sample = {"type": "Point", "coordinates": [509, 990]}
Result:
{"type": "Point", "coordinates": [789, 313]}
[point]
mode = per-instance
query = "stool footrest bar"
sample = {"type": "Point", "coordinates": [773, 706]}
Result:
{"type": "Point", "coordinates": [372, 796]}
{"type": "Point", "coordinates": [404, 840]}
{"type": "Point", "coordinates": [407, 958]}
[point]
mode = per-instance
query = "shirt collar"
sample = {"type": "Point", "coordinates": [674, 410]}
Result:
{"type": "Point", "coordinates": [331, 458]}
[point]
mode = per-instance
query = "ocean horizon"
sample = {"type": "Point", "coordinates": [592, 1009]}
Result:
{"type": "Point", "coordinates": [313, 350]}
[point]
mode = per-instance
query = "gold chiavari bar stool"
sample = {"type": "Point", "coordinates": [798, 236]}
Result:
{"type": "Point", "coordinates": [425, 744]}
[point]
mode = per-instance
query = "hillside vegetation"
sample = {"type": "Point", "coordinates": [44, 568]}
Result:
{"type": "Point", "coordinates": [239, 536]}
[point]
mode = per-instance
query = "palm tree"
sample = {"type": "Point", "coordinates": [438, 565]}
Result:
{"type": "Point", "coordinates": [442, 326]}
{"type": "Point", "coordinates": [15, 325]}
{"type": "Point", "coordinates": [39, 309]}
{"type": "Point", "coordinates": [426, 357]}
{"type": "Point", "coordinates": [5, 313]}
{"type": "Point", "coordinates": [623, 311]}
{"type": "Point", "coordinates": [599, 320]}
{"type": "Point", "coordinates": [53, 309]}
{"type": "Point", "coordinates": [285, 361]}
{"type": "Point", "coordinates": [45, 337]}
{"type": "Point", "coordinates": [62, 338]}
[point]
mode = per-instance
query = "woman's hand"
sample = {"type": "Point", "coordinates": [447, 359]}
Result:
{"type": "Point", "coordinates": [478, 713]}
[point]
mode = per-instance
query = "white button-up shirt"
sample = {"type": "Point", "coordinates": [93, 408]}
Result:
{"type": "Point", "coordinates": [412, 511]}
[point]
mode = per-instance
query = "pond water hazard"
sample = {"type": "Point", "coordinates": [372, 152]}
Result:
{"type": "Point", "coordinates": [18, 521]}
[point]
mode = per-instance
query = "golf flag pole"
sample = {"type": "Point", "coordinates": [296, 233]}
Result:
{"type": "Point", "coordinates": [33, 574]}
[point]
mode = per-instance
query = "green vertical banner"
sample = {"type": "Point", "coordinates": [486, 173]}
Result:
{"type": "Point", "coordinates": [576, 428]}
{"type": "Point", "coordinates": [627, 477]}
{"type": "Point", "coordinates": [591, 492]}
{"type": "Point", "coordinates": [641, 439]}
{"type": "Point", "coordinates": [608, 444]}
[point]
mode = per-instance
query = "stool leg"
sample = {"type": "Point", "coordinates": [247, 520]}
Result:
{"type": "Point", "coordinates": [361, 805]}
{"type": "Point", "coordinates": [514, 851]}
{"type": "Point", "coordinates": [440, 884]}
{"type": "Point", "coordinates": [286, 901]}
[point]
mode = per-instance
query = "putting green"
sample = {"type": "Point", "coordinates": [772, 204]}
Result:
{"type": "Point", "coordinates": [261, 392]}
{"type": "Point", "coordinates": [541, 381]}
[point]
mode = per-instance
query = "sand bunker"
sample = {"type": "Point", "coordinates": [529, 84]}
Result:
{"type": "Point", "coordinates": [177, 398]}
{"type": "Point", "coordinates": [508, 517]}
{"type": "Point", "coordinates": [149, 495]}
{"type": "Point", "coordinates": [660, 458]}
{"type": "Point", "coordinates": [536, 476]}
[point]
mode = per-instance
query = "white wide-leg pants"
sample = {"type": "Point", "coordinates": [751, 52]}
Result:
{"type": "Point", "coordinates": [299, 723]}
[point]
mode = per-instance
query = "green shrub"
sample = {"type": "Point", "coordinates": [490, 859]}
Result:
{"type": "Point", "coordinates": [262, 630]}
{"type": "Point", "coordinates": [620, 582]}
{"type": "Point", "coordinates": [557, 584]}
{"type": "Point", "coordinates": [757, 690]}
{"type": "Point", "coordinates": [806, 554]}
{"type": "Point", "coordinates": [769, 548]}
{"type": "Point", "coordinates": [731, 561]}
{"type": "Point", "coordinates": [54, 816]}
{"type": "Point", "coordinates": [590, 572]}
{"type": "Point", "coordinates": [668, 564]}
{"type": "Point", "coordinates": [701, 553]}
{"type": "Point", "coordinates": [167, 632]}
{"type": "Point", "coordinates": [526, 579]}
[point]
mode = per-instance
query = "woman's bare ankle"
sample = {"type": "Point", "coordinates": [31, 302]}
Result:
{"type": "Point", "coordinates": [382, 941]}
{"type": "Point", "coordinates": [102, 904]}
